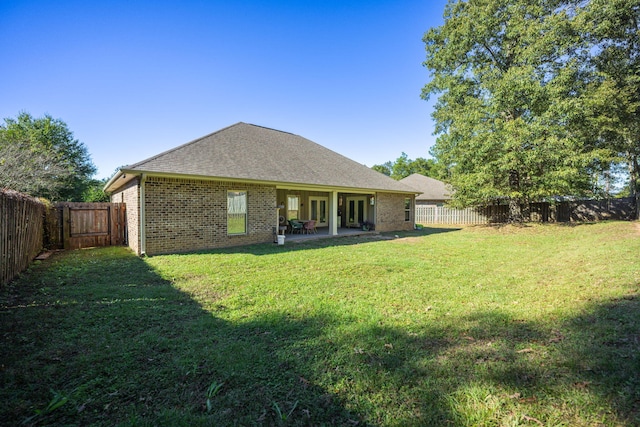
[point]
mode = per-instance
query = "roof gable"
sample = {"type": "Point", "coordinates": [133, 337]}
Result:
{"type": "Point", "coordinates": [249, 152]}
{"type": "Point", "coordinates": [431, 189]}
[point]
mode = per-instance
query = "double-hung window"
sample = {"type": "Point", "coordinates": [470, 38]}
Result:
{"type": "Point", "coordinates": [293, 207]}
{"type": "Point", "coordinates": [407, 209]}
{"type": "Point", "coordinates": [236, 212]}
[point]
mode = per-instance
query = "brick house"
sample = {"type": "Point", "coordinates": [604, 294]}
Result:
{"type": "Point", "coordinates": [239, 185]}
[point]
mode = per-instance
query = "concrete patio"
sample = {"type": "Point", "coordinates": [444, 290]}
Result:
{"type": "Point", "coordinates": [323, 233]}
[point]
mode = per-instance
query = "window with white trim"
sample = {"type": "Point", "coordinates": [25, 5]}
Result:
{"type": "Point", "coordinates": [293, 207]}
{"type": "Point", "coordinates": [407, 209]}
{"type": "Point", "coordinates": [236, 212]}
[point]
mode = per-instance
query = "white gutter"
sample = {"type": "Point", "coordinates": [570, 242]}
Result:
{"type": "Point", "coordinates": [127, 174]}
{"type": "Point", "coordinates": [112, 181]}
{"type": "Point", "coordinates": [143, 233]}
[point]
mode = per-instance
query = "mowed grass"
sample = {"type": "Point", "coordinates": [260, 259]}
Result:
{"type": "Point", "coordinates": [478, 326]}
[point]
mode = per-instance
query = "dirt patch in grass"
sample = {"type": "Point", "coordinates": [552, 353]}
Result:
{"type": "Point", "coordinates": [409, 240]}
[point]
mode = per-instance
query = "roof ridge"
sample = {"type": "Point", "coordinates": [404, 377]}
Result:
{"type": "Point", "coordinates": [268, 128]}
{"type": "Point", "coordinates": [132, 166]}
{"type": "Point", "coordinates": [221, 154]}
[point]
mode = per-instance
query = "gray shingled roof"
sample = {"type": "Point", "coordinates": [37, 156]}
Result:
{"type": "Point", "coordinates": [250, 152]}
{"type": "Point", "coordinates": [431, 189]}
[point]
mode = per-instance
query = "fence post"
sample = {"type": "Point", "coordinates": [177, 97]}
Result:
{"type": "Point", "coordinates": [66, 227]}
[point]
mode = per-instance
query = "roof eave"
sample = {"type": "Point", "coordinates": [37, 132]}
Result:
{"type": "Point", "coordinates": [129, 174]}
{"type": "Point", "coordinates": [112, 181]}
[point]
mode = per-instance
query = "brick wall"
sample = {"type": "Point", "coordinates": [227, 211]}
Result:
{"type": "Point", "coordinates": [390, 212]}
{"type": "Point", "coordinates": [130, 195]}
{"type": "Point", "coordinates": [185, 215]}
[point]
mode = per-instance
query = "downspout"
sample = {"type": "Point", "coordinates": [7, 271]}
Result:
{"type": "Point", "coordinates": [375, 209]}
{"type": "Point", "coordinates": [143, 228]}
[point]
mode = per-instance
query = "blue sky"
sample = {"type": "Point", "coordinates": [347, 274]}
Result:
{"type": "Point", "coordinates": [134, 78]}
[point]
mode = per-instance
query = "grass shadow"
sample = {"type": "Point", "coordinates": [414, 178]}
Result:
{"type": "Point", "coordinates": [603, 352]}
{"type": "Point", "coordinates": [426, 231]}
{"type": "Point", "coordinates": [489, 368]}
{"type": "Point", "coordinates": [96, 337]}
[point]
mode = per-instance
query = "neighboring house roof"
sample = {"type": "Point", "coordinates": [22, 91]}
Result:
{"type": "Point", "coordinates": [254, 153]}
{"type": "Point", "coordinates": [431, 189]}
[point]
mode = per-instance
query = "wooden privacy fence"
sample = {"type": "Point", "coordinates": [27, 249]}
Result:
{"type": "Point", "coordinates": [581, 210]}
{"type": "Point", "coordinates": [597, 210]}
{"type": "Point", "coordinates": [79, 225]}
{"type": "Point", "coordinates": [21, 232]}
{"type": "Point", "coordinates": [27, 225]}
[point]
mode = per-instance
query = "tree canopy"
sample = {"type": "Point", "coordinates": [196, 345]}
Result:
{"type": "Point", "coordinates": [404, 166]}
{"type": "Point", "coordinates": [612, 30]}
{"type": "Point", "coordinates": [516, 101]}
{"type": "Point", "coordinates": [41, 157]}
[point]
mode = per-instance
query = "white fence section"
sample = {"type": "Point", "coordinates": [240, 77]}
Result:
{"type": "Point", "coordinates": [429, 214]}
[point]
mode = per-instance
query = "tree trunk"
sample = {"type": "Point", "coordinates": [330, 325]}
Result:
{"type": "Point", "coordinates": [515, 210]}
{"type": "Point", "coordinates": [526, 210]}
{"type": "Point", "coordinates": [634, 182]}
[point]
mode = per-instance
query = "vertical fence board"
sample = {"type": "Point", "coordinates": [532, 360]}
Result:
{"type": "Point", "coordinates": [21, 232]}
{"type": "Point", "coordinates": [66, 228]}
{"type": "Point", "coordinates": [116, 225]}
{"type": "Point", "coordinates": [582, 210]}
{"type": "Point", "coordinates": [53, 228]}
{"type": "Point", "coordinates": [92, 224]}
{"type": "Point", "coordinates": [27, 225]}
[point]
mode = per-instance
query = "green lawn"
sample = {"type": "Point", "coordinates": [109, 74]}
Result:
{"type": "Point", "coordinates": [484, 326]}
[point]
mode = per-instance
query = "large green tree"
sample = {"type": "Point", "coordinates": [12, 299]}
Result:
{"type": "Point", "coordinates": [404, 166]}
{"type": "Point", "coordinates": [612, 28]}
{"type": "Point", "coordinates": [41, 157]}
{"type": "Point", "coordinates": [510, 81]}
{"type": "Point", "coordinates": [94, 191]}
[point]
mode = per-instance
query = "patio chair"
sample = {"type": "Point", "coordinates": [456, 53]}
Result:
{"type": "Point", "coordinates": [296, 226]}
{"type": "Point", "coordinates": [310, 226]}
